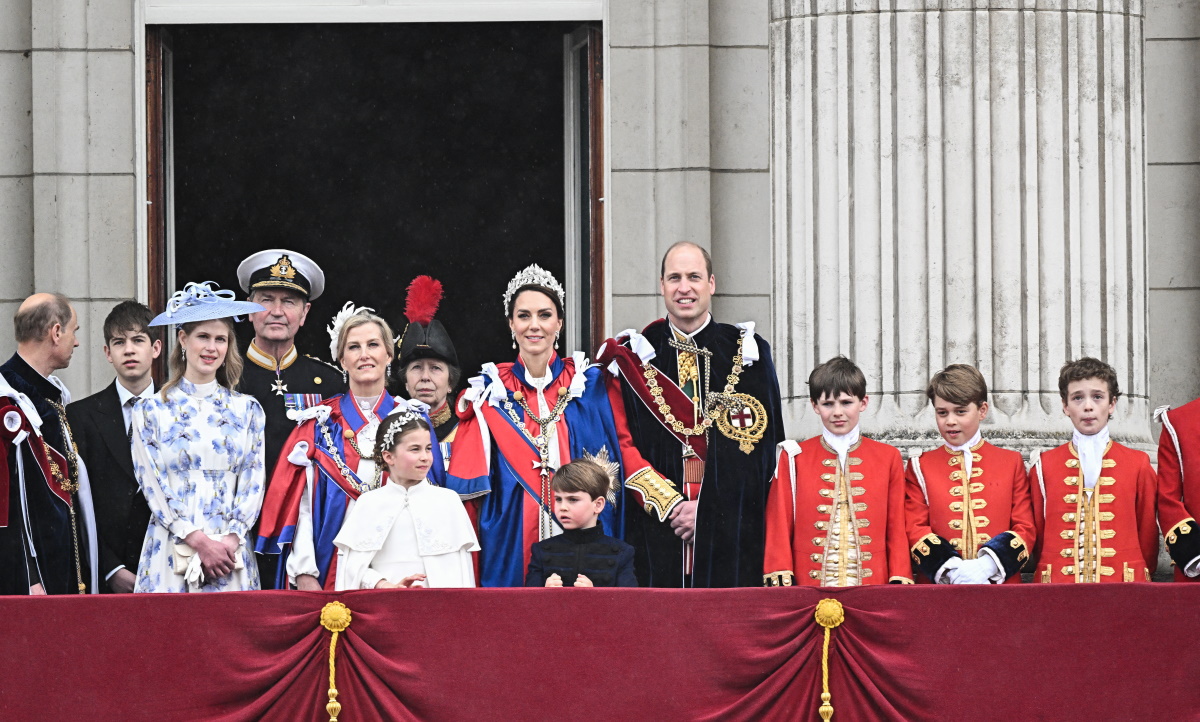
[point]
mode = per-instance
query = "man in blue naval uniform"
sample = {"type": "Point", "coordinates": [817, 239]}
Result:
{"type": "Point", "coordinates": [285, 283]}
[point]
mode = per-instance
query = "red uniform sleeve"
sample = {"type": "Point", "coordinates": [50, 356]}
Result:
{"type": "Point", "coordinates": [655, 493]}
{"type": "Point", "coordinates": [1147, 513]}
{"type": "Point", "coordinates": [899, 566]}
{"type": "Point", "coordinates": [1022, 523]}
{"type": "Point", "coordinates": [781, 525]}
{"type": "Point", "coordinates": [916, 509]}
{"type": "Point", "coordinates": [1171, 509]}
{"type": "Point", "coordinates": [1039, 509]}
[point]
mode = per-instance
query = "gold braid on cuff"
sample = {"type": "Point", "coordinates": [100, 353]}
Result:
{"type": "Point", "coordinates": [659, 495]}
{"type": "Point", "coordinates": [779, 579]}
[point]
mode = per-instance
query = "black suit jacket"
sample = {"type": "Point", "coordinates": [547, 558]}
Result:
{"type": "Point", "coordinates": [122, 514]}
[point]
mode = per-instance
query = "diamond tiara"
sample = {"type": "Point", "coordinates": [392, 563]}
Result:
{"type": "Point", "coordinates": [533, 274]}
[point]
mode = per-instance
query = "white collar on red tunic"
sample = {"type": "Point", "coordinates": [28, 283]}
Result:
{"type": "Point", "coordinates": [968, 457]}
{"type": "Point", "coordinates": [841, 443]}
{"type": "Point", "coordinates": [1091, 454]}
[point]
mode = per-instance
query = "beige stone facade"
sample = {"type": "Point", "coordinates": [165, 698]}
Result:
{"type": "Point", "coordinates": [691, 86]}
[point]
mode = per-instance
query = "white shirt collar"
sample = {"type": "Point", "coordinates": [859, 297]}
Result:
{"type": "Point", "coordinates": [974, 440]}
{"type": "Point", "coordinates": [674, 328]}
{"type": "Point", "coordinates": [968, 456]}
{"type": "Point", "coordinates": [841, 443]}
{"type": "Point", "coordinates": [124, 394]}
{"type": "Point", "coordinates": [1091, 454]}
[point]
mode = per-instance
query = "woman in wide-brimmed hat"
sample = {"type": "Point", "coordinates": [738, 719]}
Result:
{"type": "Point", "coordinates": [197, 453]}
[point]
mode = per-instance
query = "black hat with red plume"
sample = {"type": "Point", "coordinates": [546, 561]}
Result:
{"type": "Point", "coordinates": [425, 337]}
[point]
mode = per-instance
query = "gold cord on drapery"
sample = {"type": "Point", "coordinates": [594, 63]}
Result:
{"type": "Point", "coordinates": [336, 618]}
{"type": "Point", "coordinates": [829, 614]}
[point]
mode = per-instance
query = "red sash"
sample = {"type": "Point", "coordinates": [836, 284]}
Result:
{"type": "Point", "coordinates": [681, 404]}
{"type": "Point", "coordinates": [510, 438]}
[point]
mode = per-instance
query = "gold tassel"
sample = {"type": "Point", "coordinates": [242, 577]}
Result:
{"type": "Point", "coordinates": [336, 618]}
{"type": "Point", "coordinates": [829, 614]}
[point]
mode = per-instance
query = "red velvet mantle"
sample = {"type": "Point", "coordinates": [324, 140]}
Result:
{"type": "Point", "coordinates": [1061, 652]}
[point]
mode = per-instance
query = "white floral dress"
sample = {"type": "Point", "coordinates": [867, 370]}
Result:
{"type": "Point", "coordinates": [198, 458]}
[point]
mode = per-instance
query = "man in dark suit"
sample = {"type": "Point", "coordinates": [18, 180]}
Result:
{"type": "Point", "coordinates": [102, 424]}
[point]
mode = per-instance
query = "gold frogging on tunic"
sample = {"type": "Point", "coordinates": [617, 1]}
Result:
{"type": "Point", "coordinates": [970, 540]}
{"type": "Point", "coordinates": [842, 557]}
{"type": "Point", "coordinates": [1088, 550]}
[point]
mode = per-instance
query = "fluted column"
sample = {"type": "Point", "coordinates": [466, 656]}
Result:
{"type": "Point", "coordinates": [960, 181]}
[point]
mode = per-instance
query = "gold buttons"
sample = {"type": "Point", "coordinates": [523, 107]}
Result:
{"type": "Point", "coordinates": [317, 380]}
{"type": "Point", "coordinates": [348, 434]}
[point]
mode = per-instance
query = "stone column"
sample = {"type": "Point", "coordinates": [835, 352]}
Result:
{"type": "Point", "coordinates": [84, 216]}
{"type": "Point", "coordinates": [960, 181]}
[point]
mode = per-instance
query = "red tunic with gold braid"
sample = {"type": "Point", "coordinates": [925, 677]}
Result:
{"type": "Point", "coordinates": [1179, 485]}
{"type": "Point", "coordinates": [946, 517]}
{"type": "Point", "coordinates": [834, 527]}
{"type": "Point", "coordinates": [1109, 534]}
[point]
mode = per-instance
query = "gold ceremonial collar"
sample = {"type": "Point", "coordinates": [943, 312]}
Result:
{"type": "Point", "coordinates": [267, 361]}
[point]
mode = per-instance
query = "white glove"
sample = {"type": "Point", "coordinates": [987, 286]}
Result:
{"type": "Point", "coordinates": [977, 571]}
{"type": "Point", "coordinates": [949, 571]}
{"type": "Point", "coordinates": [1193, 568]}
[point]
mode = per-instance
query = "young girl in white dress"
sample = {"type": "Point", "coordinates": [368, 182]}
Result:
{"type": "Point", "coordinates": [408, 532]}
{"type": "Point", "coordinates": [197, 454]}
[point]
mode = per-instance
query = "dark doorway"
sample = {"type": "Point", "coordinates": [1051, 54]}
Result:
{"type": "Point", "coordinates": [381, 151]}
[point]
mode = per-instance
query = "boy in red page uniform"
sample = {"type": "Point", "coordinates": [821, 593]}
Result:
{"type": "Point", "coordinates": [1093, 499]}
{"type": "Point", "coordinates": [967, 504]}
{"type": "Point", "coordinates": [835, 512]}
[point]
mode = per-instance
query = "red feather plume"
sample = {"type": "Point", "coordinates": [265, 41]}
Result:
{"type": "Point", "coordinates": [424, 296]}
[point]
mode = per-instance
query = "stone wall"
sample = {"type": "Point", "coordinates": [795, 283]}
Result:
{"type": "Point", "coordinates": [67, 193]}
{"type": "Point", "coordinates": [1173, 198]}
{"type": "Point", "coordinates": [688, 86]}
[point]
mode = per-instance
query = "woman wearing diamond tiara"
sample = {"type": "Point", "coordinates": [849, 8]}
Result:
{"type": "Point", "coordinates": [328, 461]}
{"type": "Point", "coordinates": [524, 419]}
{"type": "Point", "coordinates": [197, 454]}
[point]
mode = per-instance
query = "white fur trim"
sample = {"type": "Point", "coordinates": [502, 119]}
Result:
{"type": "Point", "coordinates": [749, 345]}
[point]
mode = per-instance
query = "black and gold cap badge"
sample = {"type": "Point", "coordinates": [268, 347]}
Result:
{"type": "Point", "coordinates": [281, 268]}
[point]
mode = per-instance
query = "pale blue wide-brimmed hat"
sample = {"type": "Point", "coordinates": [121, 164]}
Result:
{"type": "Point", "coordinates": [203, 302]}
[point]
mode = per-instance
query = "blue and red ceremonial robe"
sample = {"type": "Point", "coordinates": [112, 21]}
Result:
{"type": "Point", "coordinates": [311, 453]}
{"type": "Point", "coordinates": [495, 461]}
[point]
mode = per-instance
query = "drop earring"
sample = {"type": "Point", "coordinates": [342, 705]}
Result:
{"type": "Point", "coordinates": [182, 354]}
{"type": "Point", "coordinates": [556, 340]}
{"type": "Point", "coordinates": [514, 337]}
{"type": "Point", "coordinates": [345, 377]}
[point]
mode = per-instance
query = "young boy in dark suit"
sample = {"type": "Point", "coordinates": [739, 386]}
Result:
{"type": "Point", "coordinates": [101, 427]}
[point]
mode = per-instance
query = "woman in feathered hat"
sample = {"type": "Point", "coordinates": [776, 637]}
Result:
{"type": "Point", "coordinates": [329, 460]}
{"type": "Point", "coordinates": [197, 454]}
{"type": "Point", "coordinates": [428, 362]}
{"type": "Point", "coordinates": [524, 419]}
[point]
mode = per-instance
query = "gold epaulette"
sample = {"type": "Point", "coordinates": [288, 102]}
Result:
{"type": "Point", "coordinates": [779, 579]}
{"type": "Point", "coordinates": [659, 495]}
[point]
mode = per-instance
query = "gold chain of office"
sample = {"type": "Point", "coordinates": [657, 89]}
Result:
{"type": "Point", "coordinates": [664, 408]}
